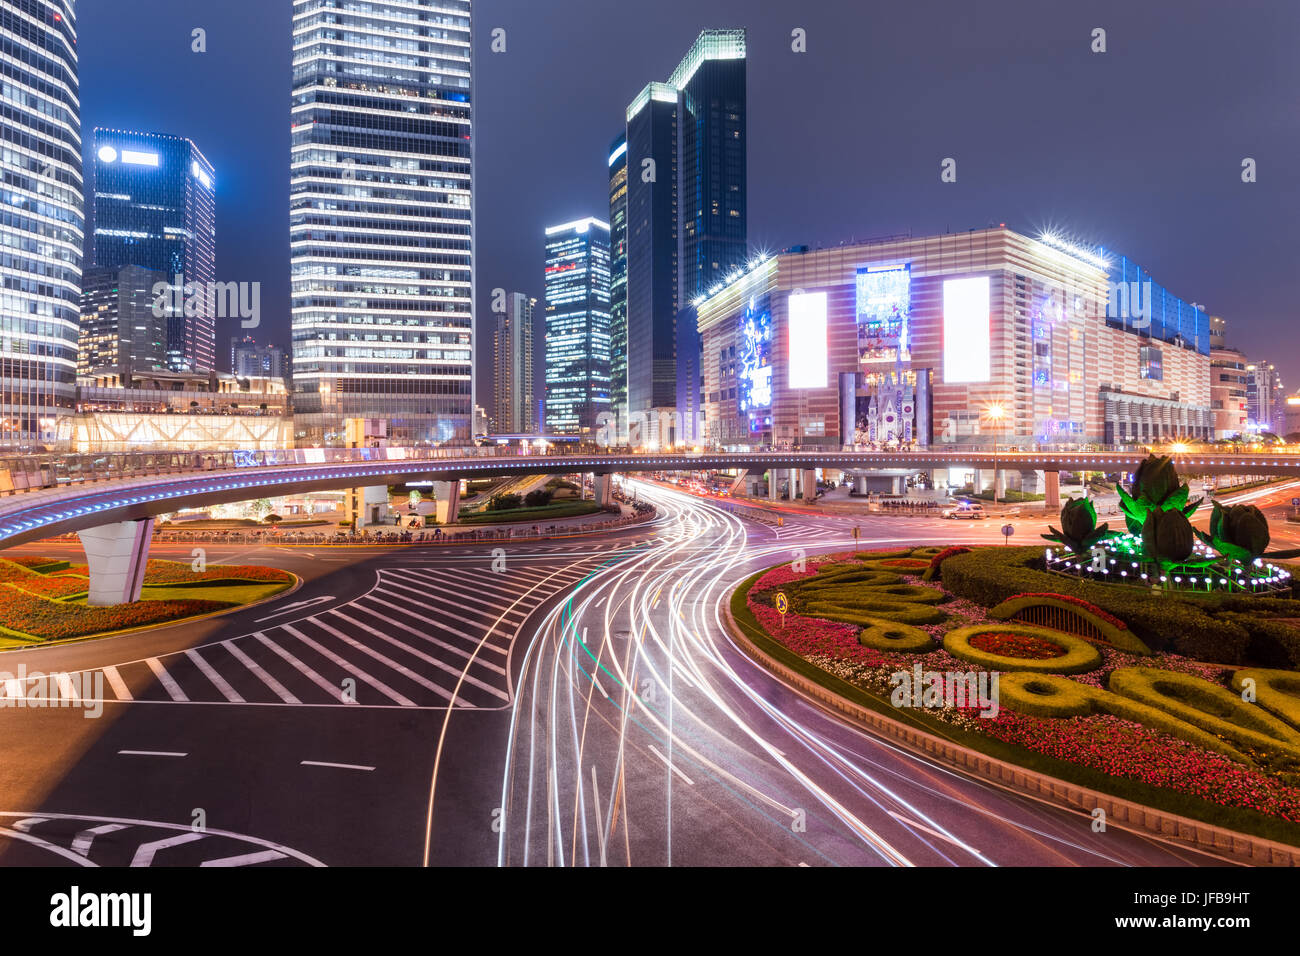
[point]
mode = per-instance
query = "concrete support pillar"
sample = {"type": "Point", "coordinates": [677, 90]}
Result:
{"type": "Point", "coordinates": [117, 555]}
{"type": "Point", "coordinates": [794, 484]}
{"type": "Point", "coordinates": [860, 484]}
{"type": "Point", "coordinates": [810, 486]}
{"type": "Point", "coordinates": [447, 498]}
{"type": "Point", "coordinates": [999, 484]}
{"type": "Point", "coordinates": [773, 484]}
{"type": "Point", "coordinates": [1052, 489]}
{"type": "Point", "coordinates": [603, 486]}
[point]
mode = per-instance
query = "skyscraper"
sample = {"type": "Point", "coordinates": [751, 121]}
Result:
{"type": "Point", "coordinates": [687, 221]}
{"type": "Point", "coordinates": [155, 208]}
{"type": "Point", "coordinates": [119, 324]}
{"type": "Point", "coordinates": [42, 231]}
{"type": "Point", "coordinates": [652, 259]}
{"type": "Point", "coordinates": [618, 287]}
{"type": "Point", "coordinates": [577, 327]}
{"type": "Point", "coordinates": [381, 219]}
{"type": "Point", "coordinates": [512, 361]}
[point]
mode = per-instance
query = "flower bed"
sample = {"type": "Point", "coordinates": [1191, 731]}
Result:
{"type": "Point", "coordinates": [178, 572]}
{"type": "Point", "coordinates": [1017, 645]}
{"type": "Point", "coordinates": [1146, 754]}
{"type": "Point", "coordinates": [52, 620]}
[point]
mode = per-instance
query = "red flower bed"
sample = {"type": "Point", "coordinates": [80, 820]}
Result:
{"type": "Point", "coordinates": [1125, 749]}
{"type": "Point", "coordinates": [1022, 646]}
{"type": "Point", "coordinates": [47, 585]}
{"type": "Point", "coordinates": [1077, 602]}
{"type": "Point", "coordinates": [178, 572]}
{"type": "Point", "coordinates": [945, 554]}
{"type": "Point", "coordinates": [53, 620]}
{"type": "Point", "coordinates": [908, 565]}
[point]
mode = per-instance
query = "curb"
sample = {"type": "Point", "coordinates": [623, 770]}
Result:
{"type": "Point", "coordinates": [1240, 847]}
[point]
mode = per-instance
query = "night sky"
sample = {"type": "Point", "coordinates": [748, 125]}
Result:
{"type": "Point", "coordinates": [1138, 149]}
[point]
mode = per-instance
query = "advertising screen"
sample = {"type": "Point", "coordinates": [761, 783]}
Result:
{"type": "Point", "coordinates": [808, 358]}
{"type": "Point", "coordinates": [966, 332]}
{"type": "Point", "coordinates": [884, 305]}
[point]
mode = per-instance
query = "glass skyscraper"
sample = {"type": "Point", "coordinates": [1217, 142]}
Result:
{"type": "Point", "coordinates": [513, 406]}
{"type": "Point", "coordinates": [687, 223]}
{"type": "Point", "coordinates": [42, 230]}
{"type": "Point", "coordinates": [155, 207]}
{"type": "Point", "coordinates": [381, 218]}
{"type": "Point", "coordinates": [119, 323]}
{"type": "Point", "coordinates": [618, 288]}
{"type": "Point", "coordinates": [577, 327]}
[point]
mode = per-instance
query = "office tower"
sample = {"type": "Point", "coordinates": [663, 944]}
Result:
{"type": "Point", "coordinates": [691, 198]}
{"type": "Point", "coordinates": [42, 230]}
{"type": "Point", "coordinates": [618, 289]}
{"type": "Point", "coordinates": [652, 278]}
{"type": "Point", "coordinates": [120, 325]}
{"type": "Point", "coordinates": [577, 327]}
{"type": "Point", "coordinates": [512, 362]}
{"type": "Point", "coordinates": [250, 360]}
{"type": "Point", "coordinates": [155, 208]}
{"type": "Point", "coordinates": [381, 219]}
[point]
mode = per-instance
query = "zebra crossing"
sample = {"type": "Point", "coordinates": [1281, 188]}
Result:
{"type": "Point", "coordinates": [421, 637]}
{"type": "Point", "coordinates": [42, 839]}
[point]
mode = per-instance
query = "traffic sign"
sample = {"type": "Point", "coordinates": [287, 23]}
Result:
{"type": "Point", "coordinates": [1007, 531]}
{"type": "Point", "coordinates": [1295, 502]}
{"type": "Point", "coordinates": [782, 605]}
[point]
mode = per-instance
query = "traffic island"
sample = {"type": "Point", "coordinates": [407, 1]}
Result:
{"type": "Point", "coordinates": [1058, 712]}
{"type": "Point", "coordinates": [43, 600]}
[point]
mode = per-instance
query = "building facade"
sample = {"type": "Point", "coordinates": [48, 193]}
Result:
{"type": "Point", "coordinates": [155, 207]}
{"type": "Point", "coordinates": [119, 324]}
{"type": "Point", "coordinates": [250, 360]}
{"type": "Point", "coordinates": [577, 328]}
{"type": "Point", "coordinates": [1265, 406]}
{"type": "Point", "coordinates": [964, 339]}
{"type": "Point", "coordinates": [42, 233]}
{"type": "Point", "coordinates": [618, 287]}
{"type": "Point", "coordinates": [687, 219]}
{"type": "Point", "coordinates": [512, 366]}
{"type": "Point", "coordinates": [381, 219]}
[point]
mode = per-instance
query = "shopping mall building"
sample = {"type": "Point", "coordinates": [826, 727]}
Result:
{"type": "Point", "coordinates": [968, 339]}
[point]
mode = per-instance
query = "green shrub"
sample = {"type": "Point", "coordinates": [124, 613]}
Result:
{"type": "Point", "coordinates": [1162, 621]}
{"type": "Point", "coordinates": [890, 636]}
{"type": "Point", "coordinates": [1080, 656]}
{"type": "Point", "coordinates": [1271, 643]}
{"type": "Point", "coordinates": [1276, 691]}
{"type": "Point", "coordinates": [852, 595]}
{"type": "Point", "coordinates": [1213, 709]}
{"type": "Point", "coordinates": [1119, 637]}
{"type": "Point", "coordinates": [867, 613]}
{"type": "Point", "coordinates": [858, 576]}
{"type": "Point", "coordinates": [900, 565]}
{"type": "Point", "coordinates": [1044, 695]}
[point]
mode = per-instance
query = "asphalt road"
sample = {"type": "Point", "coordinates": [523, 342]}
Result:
{"type": "Point", "coordinates": [566, 702]}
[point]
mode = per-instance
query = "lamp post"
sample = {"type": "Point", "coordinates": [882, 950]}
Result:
{"type": "Point", "coordinates": [995, 414]}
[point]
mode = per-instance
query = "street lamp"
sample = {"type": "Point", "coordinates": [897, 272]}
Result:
{"type": "Point", "coordinates": [995, 413]}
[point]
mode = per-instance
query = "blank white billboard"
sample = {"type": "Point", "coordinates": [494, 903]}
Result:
{"type": "Point", "coordinates": [966, 333]}
{"type": "Point", "coordinates": [808, 352]}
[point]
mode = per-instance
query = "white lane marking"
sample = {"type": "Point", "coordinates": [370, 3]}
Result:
{"type": "Point", "coordinates": [64, 683]}
{"type": "Point", "coordinates": [305, 670]}
{"type": "Point", "coordinates": [655, 751]}
{"type": "Point", "coordinates": [428, 659]}
{"type": "Point", "coordinates": [152, 753]}
{"type": "Point", "coordinates": [336, 766]}
{"type": "Point", "coordinates": [221, 683]}
{"type": "Point", "coordinates": [45, 845]}
{"type": "Point", "coordinates": [25, 825]}
{"type": "Point", "coordinates": [934, 833]}
{"type": "Point", "coordinates": [15, 688]}
{"type": "Point", "coordinates": [442, 611]}
{"type": "Point", "coordinates": [388, 661]}
{"type": "Point", "coordinates": [145, 853]}
{"type": "Point", "coordinates": [450, 648]}
{"type": "Point", "coordinates": [116, 683]}
{"type": "Point", "coordinates": [86, 837]}
{"type": "Point", "coordinates": [168, 682]}
{"type": "Point", "coordinates": [247, 859]}
{"type": "Point", "coordinates": [298, 606]}
{"type": "Point", "coordinates": [351, 668]}
{"type": "Point", "coordinates": [276, 687]}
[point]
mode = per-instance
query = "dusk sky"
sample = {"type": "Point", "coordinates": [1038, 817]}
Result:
{"type": "Point", "coordinates": [1138, 149]}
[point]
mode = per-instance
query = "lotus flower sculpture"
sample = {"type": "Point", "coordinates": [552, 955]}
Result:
{"type": "Point", "coordinates": [1156, 487]}
{"type": "Point", "coordinates": [1079, 528]}
{"type": "Point", "coordinates": [1239, 532]}
{"type": "Point", "coordinates": [1167, 537]}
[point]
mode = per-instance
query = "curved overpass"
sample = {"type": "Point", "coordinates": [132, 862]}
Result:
{"type": "Point", "coordinates": [78, 507]}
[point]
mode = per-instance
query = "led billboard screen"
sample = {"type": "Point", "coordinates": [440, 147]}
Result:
{"type": "Point", "coordinates": [808, 356]}
{"type": "Point", "coordinates": [966, 332]}
{"type": "Point", "coordinates": [884, 305]}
